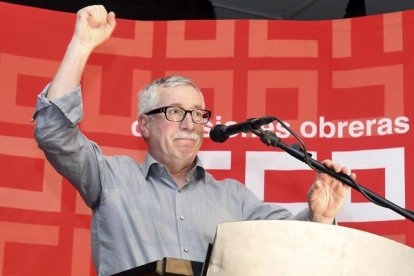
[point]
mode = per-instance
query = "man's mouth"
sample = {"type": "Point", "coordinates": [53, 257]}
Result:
{"type": "Point", "coordinates": [184, 135]}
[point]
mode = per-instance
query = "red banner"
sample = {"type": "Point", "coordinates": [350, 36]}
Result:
{"type": "Point", "coordinates": [344, 86]}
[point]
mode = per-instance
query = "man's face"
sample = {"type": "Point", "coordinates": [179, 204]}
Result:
{"type": "Point", "coordinates": [173, 143]}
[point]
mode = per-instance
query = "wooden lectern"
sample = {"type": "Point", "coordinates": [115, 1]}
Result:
{"type": "Point", "coordinates": [261, 248]}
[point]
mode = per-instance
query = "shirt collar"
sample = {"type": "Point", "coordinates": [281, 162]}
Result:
{"type": "Point", "coordinates": [150, 164]}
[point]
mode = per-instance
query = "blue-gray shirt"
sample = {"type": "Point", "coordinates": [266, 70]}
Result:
{"type": "Point", "coordinates": [140, 215]}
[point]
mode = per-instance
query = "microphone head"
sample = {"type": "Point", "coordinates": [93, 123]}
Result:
{"type": "Point", "coordinates": [218, 133]}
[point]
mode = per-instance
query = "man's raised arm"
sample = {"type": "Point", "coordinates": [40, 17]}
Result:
{"type": "Point", "coordinates": [94, 25]}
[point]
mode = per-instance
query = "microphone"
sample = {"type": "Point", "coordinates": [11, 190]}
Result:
{"type": "Point", "coordinates": [220, 133]}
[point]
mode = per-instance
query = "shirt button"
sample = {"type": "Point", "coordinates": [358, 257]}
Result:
{"type": "Point", "coordinates": [179, 190]}
{"type": "Point", "coordinates": [182, 217]}
{"type": "Point", "coordinates": [186, 249]}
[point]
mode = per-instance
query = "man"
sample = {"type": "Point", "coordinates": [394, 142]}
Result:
{"type": "Point", "coordinates": [169, 206]}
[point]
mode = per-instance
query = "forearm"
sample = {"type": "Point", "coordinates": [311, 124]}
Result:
{"type": "Point", "coordinates": [70, 72]}
{"type": "Point", "coordinates": [93, 26]}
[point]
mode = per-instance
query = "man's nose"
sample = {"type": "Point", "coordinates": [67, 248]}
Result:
{"type": "Point", "coordinates": [187, 123]}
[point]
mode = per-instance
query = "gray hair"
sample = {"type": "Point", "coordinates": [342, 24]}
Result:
{"type": "Point", "coordinates": [150, 94]}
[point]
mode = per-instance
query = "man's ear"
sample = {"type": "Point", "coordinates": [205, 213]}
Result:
{"type": "Point", "coordinates": [143, 125]}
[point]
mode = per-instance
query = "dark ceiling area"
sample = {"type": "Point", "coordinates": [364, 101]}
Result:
{"type": "Point", "coordinates": [231, 9]}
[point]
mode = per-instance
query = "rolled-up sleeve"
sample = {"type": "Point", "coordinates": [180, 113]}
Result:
{"type": "Point", "coordinates": [65, 146]}
{"type": "Point", "coordinates": [70, 105]}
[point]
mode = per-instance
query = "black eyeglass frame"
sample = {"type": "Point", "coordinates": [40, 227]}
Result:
{"type": "Point", "coordinates": [165, 108]}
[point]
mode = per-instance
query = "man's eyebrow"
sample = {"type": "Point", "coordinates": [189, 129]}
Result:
{"type": "Point", "coordinates": [181, 105]}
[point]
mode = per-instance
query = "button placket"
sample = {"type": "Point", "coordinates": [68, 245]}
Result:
{"type": "Point", "coordinates": [181, 219]}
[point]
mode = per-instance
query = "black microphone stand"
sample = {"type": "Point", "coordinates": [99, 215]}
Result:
{"type": "Point", "coordinates": [270, 139]}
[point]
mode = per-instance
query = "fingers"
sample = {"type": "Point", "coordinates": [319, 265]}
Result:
{"type": "Point", "coordinates": [94, 25]}
{"type": "Point", "coordinates": [338, 168]}
{"type": "Point", "coordinates": [110, 20]}
{"type": "Point", "coordinates": [331, 165]}
{"type": "Point", "coordinates": [96, 16]}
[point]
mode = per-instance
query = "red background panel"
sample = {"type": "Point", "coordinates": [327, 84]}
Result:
{"type": "Point", "coordinates": [322, 73]}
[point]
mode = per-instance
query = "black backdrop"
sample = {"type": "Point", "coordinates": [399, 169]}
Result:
{"type": "Point", "coordinates": [135, 9]}
{"type": "Point", "coordinates": [230, 9]}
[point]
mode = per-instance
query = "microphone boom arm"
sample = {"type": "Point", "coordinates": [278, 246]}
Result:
{"type": "Point", "coordinates": [270, 139]}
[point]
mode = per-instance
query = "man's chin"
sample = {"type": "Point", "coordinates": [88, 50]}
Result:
{"type": "Point", "coordinates": [186, 151]}
{"type": "Point", "coordinates": [187, 148]}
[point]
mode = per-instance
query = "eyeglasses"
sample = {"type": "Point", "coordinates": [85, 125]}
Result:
{"type": "Point", "coordinates": [177, 114]}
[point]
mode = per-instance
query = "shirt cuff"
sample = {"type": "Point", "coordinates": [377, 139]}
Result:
{"type": "Point", "coordinates": [303, 215]}
{"type": "Point", "coordinates": [70, 105]}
